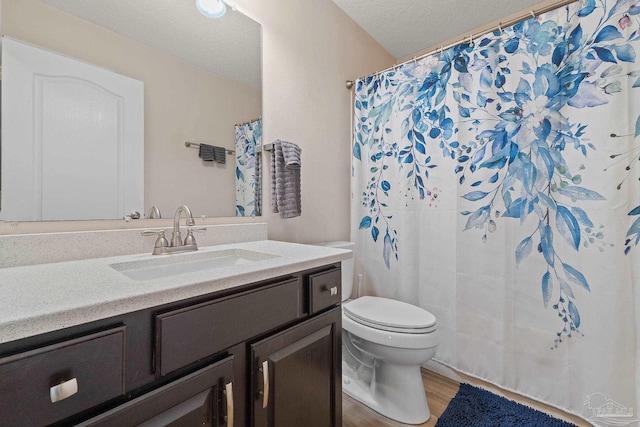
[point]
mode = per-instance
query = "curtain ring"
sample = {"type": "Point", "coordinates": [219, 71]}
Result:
{"type": "Point", "coordinates": [471, 40]}
{"type": "Point", "coordinates": [441, 50]}
{"type": "Point", "coordinates": [415, 61]}
{"type": "Point", "coordinates": [500, 27]}
{"type": "Point", "coordinates": [533, 15]}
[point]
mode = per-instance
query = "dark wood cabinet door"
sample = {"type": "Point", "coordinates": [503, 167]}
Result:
{"type": "Point", "coordinates": [198, 399]}
{"type": "Point", "coordinates": [296, 375]}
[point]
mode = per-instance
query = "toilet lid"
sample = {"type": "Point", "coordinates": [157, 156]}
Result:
{"type": "Point", "coordinates": [390, 315]}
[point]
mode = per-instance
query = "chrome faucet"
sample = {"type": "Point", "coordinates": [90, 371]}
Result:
{"type": "Point", "coordinates": [162, 246]}
{"type": "Point", "coordinates": [154, 213]}
{"type": "Point", "coordinates": [176, 239]}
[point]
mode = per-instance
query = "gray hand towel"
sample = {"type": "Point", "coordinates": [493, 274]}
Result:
{"type": "Point", "coordinates": [206, 152]}
{"type": "Point", "coordinates": [291, 155]}
{"type": "Point", "coordinates": [220, 154]}
{"type": "Point", "coordinates": [285, 182]}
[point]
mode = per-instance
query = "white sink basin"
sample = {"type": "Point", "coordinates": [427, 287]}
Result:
{"type": "Point", "coordinates": [172, 265]}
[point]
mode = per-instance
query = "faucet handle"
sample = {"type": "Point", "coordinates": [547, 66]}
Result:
{"type": "Point", "coordinates": [190, 239]}
{"type": "Point", "coordinates": [152, 232]}
{"type": "Point", "coordinates": [161, 241]}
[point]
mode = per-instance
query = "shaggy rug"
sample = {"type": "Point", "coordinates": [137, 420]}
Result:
{"type": "Point", "coordinates": [475, 407]}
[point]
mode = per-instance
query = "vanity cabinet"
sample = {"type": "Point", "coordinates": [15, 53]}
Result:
{"type": "Point", "coordinates": [192, 362]}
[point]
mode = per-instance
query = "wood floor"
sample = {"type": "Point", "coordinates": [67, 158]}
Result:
{"type": "Point", "coordinates": [440, 390]}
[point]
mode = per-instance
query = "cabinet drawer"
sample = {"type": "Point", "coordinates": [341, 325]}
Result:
{"type": "Point", "coordinates": [187, 335]}
{"type": "Point", "coordinates": [325, 290]}
{"type": "Point", "coordinates": [95, 363]}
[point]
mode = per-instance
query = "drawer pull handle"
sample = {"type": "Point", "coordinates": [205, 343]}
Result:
{"type": "Point", "coordinates": [265, 381]}
{"type": "Point", "coordinates": [332, 290]}
{"type": "Point", "coordinates": [63, 390]}
{"type": "Point", "coordinates": [228, 392]}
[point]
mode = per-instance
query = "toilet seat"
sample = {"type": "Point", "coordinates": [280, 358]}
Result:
{"type": "Point", "coordinates": [390, 315]}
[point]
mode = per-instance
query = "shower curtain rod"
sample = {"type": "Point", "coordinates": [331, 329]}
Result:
{"type": "Point", "coordinates": [250, 121]}
{"type": "Point", "coordinates": [533, 13]}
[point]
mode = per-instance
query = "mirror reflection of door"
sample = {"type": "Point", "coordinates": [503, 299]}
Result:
{"type": "Point", "coordinates": [73, 140]}
{"type": "Point", "coordinates": [201, 76]}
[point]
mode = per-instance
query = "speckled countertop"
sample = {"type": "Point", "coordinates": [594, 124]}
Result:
{"type": "Point", "coordinates": [42, 298]}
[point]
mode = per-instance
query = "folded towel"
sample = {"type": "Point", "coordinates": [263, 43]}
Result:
{"type": "Point", "coordinates": [220, 154]}
{"type": "Point", "coordinates": [285, 182]}
{"type": "Point", "coordinates": [206, 153]}
{"type": "Point", "coordinates": [291, 155]}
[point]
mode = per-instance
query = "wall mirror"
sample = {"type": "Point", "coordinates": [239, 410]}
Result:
{"type": "Point", "coordinates": [201, 81]}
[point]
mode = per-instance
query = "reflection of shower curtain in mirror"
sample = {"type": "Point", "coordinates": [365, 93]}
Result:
{"type": "Point", "coordinates": [248, 169]}
{"type": "Point", "coordinates": [497, 186]}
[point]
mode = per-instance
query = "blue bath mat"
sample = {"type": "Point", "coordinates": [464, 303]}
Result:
{"type": "Point", "coordinates": [475, 407]}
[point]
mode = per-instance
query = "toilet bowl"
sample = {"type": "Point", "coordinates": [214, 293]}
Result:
{"type": "Point", "coordinates": [384, 343]}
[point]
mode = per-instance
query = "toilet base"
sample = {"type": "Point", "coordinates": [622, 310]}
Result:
{"type": "Point", "coordinates": [395, 391]}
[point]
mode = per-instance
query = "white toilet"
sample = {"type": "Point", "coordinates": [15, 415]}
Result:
{"type": "Point", "coordinates": [384, 342]}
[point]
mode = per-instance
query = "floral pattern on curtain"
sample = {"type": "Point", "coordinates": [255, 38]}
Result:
{"type": "Point", "coordinates": [248, 171]}
{"type": "Point", "coordinates": [534, 129]}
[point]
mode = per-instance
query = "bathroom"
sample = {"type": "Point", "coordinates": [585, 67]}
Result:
{"type": "Point", "coordinates": [309, 50]}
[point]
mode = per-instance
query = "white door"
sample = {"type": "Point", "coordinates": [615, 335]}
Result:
{"type": "Point", "coordinates": [72, 138]}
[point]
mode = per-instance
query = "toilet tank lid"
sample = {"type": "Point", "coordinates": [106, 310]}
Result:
{"type": "Point", "coordinates": [341, 244]}
{"type": "Point", "coordinates": [388, 312]}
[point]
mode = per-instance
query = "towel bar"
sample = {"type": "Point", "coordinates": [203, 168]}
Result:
{"type": "Point", "coordinates": [195, 144]}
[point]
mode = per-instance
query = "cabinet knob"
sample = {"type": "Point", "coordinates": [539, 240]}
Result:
{"type": "Point", "coordinates": [63, 390]}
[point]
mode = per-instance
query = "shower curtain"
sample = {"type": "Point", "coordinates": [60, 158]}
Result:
{"type": "Point", "coordinates": [248, 169]}
{"type": "Point", "coordinates": [496, 184]}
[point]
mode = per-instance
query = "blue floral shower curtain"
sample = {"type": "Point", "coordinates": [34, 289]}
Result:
{"type": "Point", "coordinates": [248, 170]}
{"type": "Point", "coordinates": [496, 184]}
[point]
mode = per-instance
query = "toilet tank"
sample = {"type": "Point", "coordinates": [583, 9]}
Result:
{"type": "Point", "coordinates": [347, 266]}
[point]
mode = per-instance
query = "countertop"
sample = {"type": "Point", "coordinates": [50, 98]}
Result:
{"type": "Point", "coordinates": [42, 298]}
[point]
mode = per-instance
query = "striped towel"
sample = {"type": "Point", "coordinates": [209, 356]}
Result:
{"type": "Point", "coordinates": [291, 155]}
{"type": "Point", "coordinates": [285, 181]}
{"type": "Point", "coordinates": [206, 152]}
{"type": "Point", "coordinates": [220, 154]}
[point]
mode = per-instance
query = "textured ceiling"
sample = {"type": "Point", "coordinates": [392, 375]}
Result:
{"type": "Point", "coordinates": [404, 27]}
{"type": "Point", "coordinates": [229, 46]}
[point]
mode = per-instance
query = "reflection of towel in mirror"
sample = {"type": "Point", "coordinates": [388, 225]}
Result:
{"type": "Point", "coordinates": [220, 154]}
{"type": "Point", "coordinates": [285, 179]}
{"type": "Point", "coordinates": [206, 152]}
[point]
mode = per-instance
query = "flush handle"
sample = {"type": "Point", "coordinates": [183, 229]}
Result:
{"type": "Point", "coordinates": [228, 392]}
{"type": "Point", "coordinates": [63, 390]}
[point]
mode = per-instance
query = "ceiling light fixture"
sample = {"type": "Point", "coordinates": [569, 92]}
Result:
{"type": "Point", "coordinates": [211, 8]}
